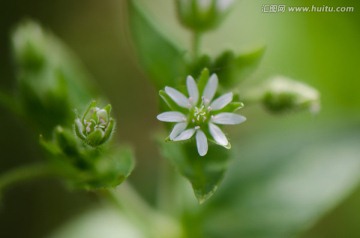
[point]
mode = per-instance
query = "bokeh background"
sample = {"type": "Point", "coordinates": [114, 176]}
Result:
{"type": "Point", "coordinates": [321, 49]}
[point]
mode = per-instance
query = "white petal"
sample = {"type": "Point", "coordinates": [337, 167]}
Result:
{"type": "Point", "coordinates": [223, 5]}
{"type": "Point", "coordinates": [171, 117]}
{"type": "Point", "coordinates": [178, 128]}
{"type": "Point", "coordinates": [201, 143]}
{"type": "Point", "coordinates": [227, 118]}
{"type": "Point", "coordinates": [218, 135]}
{"type": "Point", "coordinates": [193, 90]}
{"type": "Point", "coordinates": [210, 88]}
{"type": "Point", "coordinates": [222, 101]}
{"type": "Point", "coordinates": [185, 135]}
{"type": "Point", "coordinates": [178, 97]}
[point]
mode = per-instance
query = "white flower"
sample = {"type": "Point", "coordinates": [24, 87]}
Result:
{"type": "Point", "coordinates": [202, 114]}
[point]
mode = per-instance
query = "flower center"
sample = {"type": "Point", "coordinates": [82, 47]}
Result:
{"type": "Point", "coordinates": [97, 119]}
{"type": "Point", "coordinates": [199, 115]}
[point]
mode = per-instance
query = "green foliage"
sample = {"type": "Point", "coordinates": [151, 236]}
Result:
{"type": "Point", "coordinates": [86, 167]}
{"type": "Point", "coordinates": [232, 69]}
{"type": "Point", "coordinates": [204, 173]}
{"type": "Point", "coordinates": [164, 64]}
{"type": "Point", "coordinates": [167, 66]}
{"type": "Point", "coordinates": [51, 81]}
{"type": "Point", "coordinates": [280, 183]}
{"type": "Point", "coordinates": [290, 189]}
{"type": "Point", "coordinates": [51, 84]}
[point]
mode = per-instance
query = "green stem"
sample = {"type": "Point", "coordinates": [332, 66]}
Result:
{"type": "Point", "coordinates": [127, 198]}
{"type": "Point", "coordinates": [252, 95]}
{"type": "Point", "coordinates": [196, 41]}
{"type": "Point", "coordinates": [25, 173]}
{"type": "Point", "coordinates": [166, 187]}
{"type": "Point", "coordinates": [151, 222]}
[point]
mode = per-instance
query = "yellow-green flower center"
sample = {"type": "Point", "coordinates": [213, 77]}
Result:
{"type": "Point", "coordinates": [199, 115]}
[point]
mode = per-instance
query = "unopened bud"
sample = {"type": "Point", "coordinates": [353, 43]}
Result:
{"type": "Point", "coordinates": [282, 94]}
{"type": "Point", "coordinates": [202, 15]}
{"type": "Point", "coordinates": [96, 125]}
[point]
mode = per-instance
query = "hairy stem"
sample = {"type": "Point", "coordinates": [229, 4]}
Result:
{"type": "Point", "coordinates": [196, 41]}
{"type": "Point", "coordinates": [165, 189]}
{"type": "Point", "coordinates": [127, 198]}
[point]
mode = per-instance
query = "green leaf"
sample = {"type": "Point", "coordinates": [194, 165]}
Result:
{"type": "Point", "coordinates": [109, 169]}
{"type": "Point", "coordinates": [233, 69]}
{"type": "Point", "coordinates": [195, 68]}
{"type": "Point", "coordinates": [86, 167]}
{"type": "Point", "coordinates": [203, 79]}
{"type": "Point", "coordinates": [232, 107]}
{"type": "Point", "coordinates": [162, 60]}
{"type": "Point", "coordinates": [204, 173]}
{"type": "Point", "coordinates": [286, 185]}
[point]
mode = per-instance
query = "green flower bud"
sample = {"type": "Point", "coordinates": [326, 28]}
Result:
{"type": "Point", "coordinates": [96, 125]}
{"type": "Point", "coordinates": [282, 94]}
{"type": "Point", "coordinates": [202, 15]}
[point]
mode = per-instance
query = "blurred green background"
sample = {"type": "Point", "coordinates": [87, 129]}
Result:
{"type": "Point", "coordinates": [321, 49]}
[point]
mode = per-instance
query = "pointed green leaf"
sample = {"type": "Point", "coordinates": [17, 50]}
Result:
{"type": "Point", "coordinates": [195, 68]}
{"type": "Point", "coordinates": [113, 168]}
{"type": "Point", "coordinates": [247, 62]}
{"type": "Point", "coordinates": [158, 55]}
{"type": "Point", "coordinates": [233, 69]}
{"type": "Point", "coordinates": [203, 79]}
{"type": "Point", "coordinates": [204, 173]}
